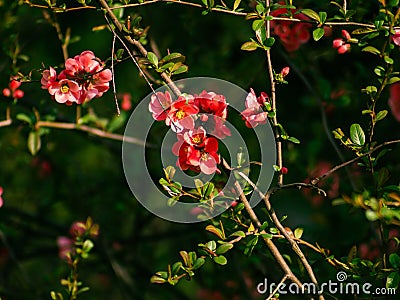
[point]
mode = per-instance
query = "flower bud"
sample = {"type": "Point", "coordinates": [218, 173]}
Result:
{"type": "Point", "coordinates": [285, 71]}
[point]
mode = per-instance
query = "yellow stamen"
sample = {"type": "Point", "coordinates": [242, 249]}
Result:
{"type": "Point", "coordinates": [64, 88]}
{"type": "Point", "coordinates": [179, 114]}
{"type": "Point", "coordinates": [196, 140]}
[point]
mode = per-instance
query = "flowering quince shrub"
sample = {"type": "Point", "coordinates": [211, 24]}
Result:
{"type": "Point", "coordinates": [333, 204]}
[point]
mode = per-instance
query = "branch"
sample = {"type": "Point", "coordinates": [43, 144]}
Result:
{"type": "Point", "coordinates": [319, 178]}
{"type": "Point", "coordinates": [135, 43]}
{"type": "Point", "coordinates": [92, 130]}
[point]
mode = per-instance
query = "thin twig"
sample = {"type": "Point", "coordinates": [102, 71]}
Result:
{"type": "Point", "coordinates": [334, 169]}
{"type": "Point", "coordinates": [284, 278]}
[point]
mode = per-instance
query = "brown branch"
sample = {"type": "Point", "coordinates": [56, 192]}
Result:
{"type": "Point", "coordinates": [334, 169]}
{"type": "Point", "coordinates": [92, 130]}
{"type": "Point", "coordinates": [256, 223]}
{"type": "Point", "coordinates": [136, 43]}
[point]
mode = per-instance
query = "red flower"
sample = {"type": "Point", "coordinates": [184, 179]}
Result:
{"type": "Point", "coordinates": [340, 44]}
{"type": "Point", "coordinates": [291, 34]}
{"type": "Point", "coordinates": [65, 91]}
{"type": "Point", "coordinates": [65, 246]}
{"type": "Point", "coordinates": [197, 152]}
{"type": "Point", "coordinates": [179, 115]}
{"type": "Point", "coordinates": [211, 103]}
{"type": "Point", "coordinates": [254, 114]}
{"type": "Point", "coordinates": [13, 91]}
{"type": "Point", "coordinates": [394, 100]}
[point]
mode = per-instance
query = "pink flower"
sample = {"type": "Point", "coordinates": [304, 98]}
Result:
{"type": "Point", "coordinates": [394, 100]}
{"type": "Point", "coordinates": [340, 44]}
{"type": "Point", "coordinates": [65, 91]}
{"type": "Point", "coordinates": [84, 70]}
{"type": "Point", "coordinates": [396, 37]}
{"type": "Point", "coordinates": [219, 128]}
{"type": "Point", "coordinates": [1, 198]}
{"type": "Point", "coordinates": [49, 77]}
{"type": "Point", "coordinates": [285, 71]}
{"type": "Point", "coordinates": [65, 245]}
{"type": "Point", "coordinates": [254, 114]}
{"type": "Point", "coordinates": [77, 229]}
{"type": "Point", "coordinates": [179, 117]}
{"type": "Point", "coordinates": [126, 104]}
{"type": "Point", "coordinates": [13, 91]}
{"type": "Point", "coordinates": [195, 137]}
{"type": "Point", "coordinates": [159, 105]}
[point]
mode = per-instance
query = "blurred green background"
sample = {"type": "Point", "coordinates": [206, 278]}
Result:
{"type": "Point", "coordinates": [76, 175]}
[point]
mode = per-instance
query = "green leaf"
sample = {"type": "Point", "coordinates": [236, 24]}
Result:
{"type": "Point", "coordinates": [181, 69]}
{"type": "Point", "coordinates": [388, 60]}
{"type": "Point", "coordinates": [372, 50]}
{"type": "Point", "coordinates": [311, 14]}
{"type": "Point", "coordinates": [293, 140]}
{"type": "Point", "coordinates": [250, 245]}
{"type": "Point", "coordinates": [393, 80]}
{"type": "Point", "coordinates": [380, 71]}
{"type": "Point", "coordinates": [263, 226]}
{"type": "Point", "coordinates": [157, 279]}
{"type": "Point", "coordinates": [318, 33]}
{"type": "Point", "coordinates": [117, 122]}
{"type": "Point", "coordinates": [380, 115]}
{"type": "Point", "coordinates": [221, 260]}
{"type": "Point", "coordinates": [152, 58]}
{"type": "Point", "coordinates": [34, 142]}
{"type": "Point", "coordinates": [174, 57]}
{"type": "Point", "coordinates": [357, 135]}
{"type": "Point", "coordinates": [260, 8]}
{"type": "Point", "coordinates": [24, 118]}
{"type": "Point", "coordinates": [249, 46]}
{"type": "Point", "coordinates": [370, 90]}
{"type": "Point", "coordinates": [322, 16]}
{"type": "Point", "coordinates": [216, 231]}
{"type": "Point", "coordinates": [238, 233]}
{"type": "Point", "coordinates": [298, 232]}
{"type": "Point", "coordinates": [236, 4]}
{"type": "Point", "coordinates": [257, 24]}
{"type": "Point", "coordinates": [199, 262]}
{"type": "Point", "coordinates": [224, 248]}
{"type": "Point", "coordinates": [394, 260]}
{"type": "Point", "coordinates": [393, 280]}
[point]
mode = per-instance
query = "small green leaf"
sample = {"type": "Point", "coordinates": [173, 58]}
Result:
{"type": "Point", "coordinates": [393, 280]}
{"type": "Point", "coordinates": [263, 226]}
{"type": "Point", "coordinates": [372, 50]}
{"type": "Point", "coordinates": [157, 279]}
{"type": "Point", "coordinates": [357, 135]}
{"type": "Point", "coordinates": [298, 232]}
{"type": "Point", "coordinates": [216, 231]}
{"type": "Point", "coordinates": [181, 69]}
{"type": "Point", "coordinates": [199, 262]}
{"type": "Point", "coordinates": [24, 118]}
{"type": "Point", "coordinates": [224, 248]}
{"type": "Point", "coordinates": [174, 57]}
{"type": "Point", "coordinates": [393, 80]}
{"type": "Point", "coordinates": [311, 14]}
{"type": "Point", "coordinates": [370, 90]}
{"type": "Point", "coordinates": [380, 71]}
{"type": "Point", "coordinates": [152, 58]}
{"type": "Point", "coordinates": [221, 260]}
{"type": "Point", "coordinates": [394, 260]}
{"type": "Point", "coordinates": [249, 46]}
{"type": "Point", "coordinates": [238, 233]}
{"type": "Point", "coordinates": [236, 4]}
{"type": "Point", "coordinates": [388, 60]}
{"type": "Point", "coordinates": [260, 8]}
{"type": "Point", "coordinates": [322, 16]}
{"type": "Point", "coordinates": [257, 24]}
{"type": "Point", "coordinates": [293, 140]}
{"type": "Point", "coordinates": [318, 33]}
{"type": "Point", "coordinates": [34, 142]}
{"type": "Point", "coordinates": [380, 115]}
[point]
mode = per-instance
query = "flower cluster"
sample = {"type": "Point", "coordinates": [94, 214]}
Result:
{"type": "Point", "coordinates": [254, 113]}
{"type": "Point", "coordinates": [83, 79]}
{"type": "Point", "coordinates": [1, 199]}
{"type": "Point", "coordinates": [342, 45]}
{"type": "Point", "coordinates": [12, 90]}
{"type": "Point", "coordinates": [291, 34]}
{"type": "Point", "coordinates": [198, 120]}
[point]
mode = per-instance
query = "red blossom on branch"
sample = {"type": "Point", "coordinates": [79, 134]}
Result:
{"type": "Point", "coordinates": [291, 34]}
{"type": "Point", "coordinates": [83, 79]}
{"type": "Point", "coordinates": [13, 91]}
{"type": "Point", "coordinates": [254, 113]}
{"type": "Point", "coordinates": [396, 37]}
{"type": "Point", "coordinates": [341, 44]}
